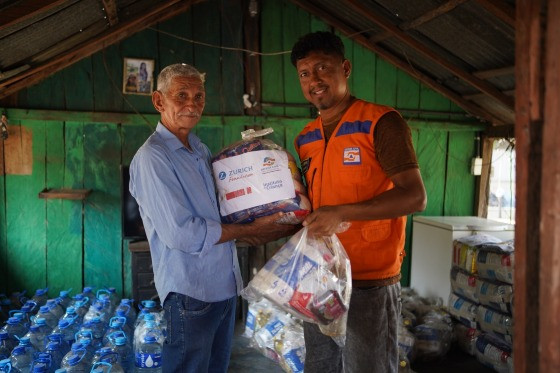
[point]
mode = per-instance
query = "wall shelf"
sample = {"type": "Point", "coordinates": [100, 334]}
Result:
{"type": "Point", "coordinates": [75, 194]}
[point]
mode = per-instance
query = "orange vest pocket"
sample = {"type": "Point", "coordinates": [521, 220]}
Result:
{"type": "Point", "coordinates": [377, 231]}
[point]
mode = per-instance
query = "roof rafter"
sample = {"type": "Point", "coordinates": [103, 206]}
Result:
{"type": "Point", "coordinates": [500, 9]}
{"type": "Point", "coordinates": [469, 78]}
{"type": "Point", "coordinates": [26, 9]}
{"type": "Point", "coordinates": [157, 13]}
{"type": "Point", "coordinates": [424, 18]}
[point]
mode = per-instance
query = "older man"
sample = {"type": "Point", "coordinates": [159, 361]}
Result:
{"type": "Point", "coordinates": [194, 256]}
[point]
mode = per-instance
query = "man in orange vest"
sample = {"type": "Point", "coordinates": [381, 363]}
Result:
{"type": "Point", "coordinates": [360, 167]}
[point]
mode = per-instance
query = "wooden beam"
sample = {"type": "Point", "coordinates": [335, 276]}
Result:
{"type": "Point", "coordinates": [110, 8]}
{"type": "Point", "coordinates": [549, 289]}
{"type": "Point", "coordinates": [479, 84]}
{"type": "Point", "coordinates": [492, 73]}
{"type": "Point", "coordinates": [25, 9]}
{"type": "Point", "coordinates": [470, 107]}
{"type": "Point", "coordinates": [500, 9]}
{"type": "Point", "coordinates": [252, 65]}
{"type": "Point", "coordinates": [157, 13]}
{"type": "Point", "coordinates": [419, 21]}
{"type": "Point", "coordinates": [500, 132]}
{"type": "Point", "coordinates": [528, 143]}
{"type": "Point", "coordinates": [477, 96]}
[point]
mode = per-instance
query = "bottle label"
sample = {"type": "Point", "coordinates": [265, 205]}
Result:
{"type": "Point", "coordinates": [144, 360]}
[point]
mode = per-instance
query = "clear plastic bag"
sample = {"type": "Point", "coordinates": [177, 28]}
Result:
{"type": "Point", "coordinates": [256, 177]}
{"type": "Point", "coordinates": [310, 278]}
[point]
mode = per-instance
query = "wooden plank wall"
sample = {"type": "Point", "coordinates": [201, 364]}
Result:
{"type": "Point", "coordinates": [75, 243]}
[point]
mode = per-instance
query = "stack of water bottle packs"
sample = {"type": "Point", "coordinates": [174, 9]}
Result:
{"type": "Point", "coordinates": [276, 334]}
{"type": "Point", "coordinates": [86, 332]}
{"type": "Point", "coordinates": [481, 299]}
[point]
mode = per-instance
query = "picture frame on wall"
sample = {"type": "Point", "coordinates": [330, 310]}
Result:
{"type": "Point", "coordinates": [138, 76]}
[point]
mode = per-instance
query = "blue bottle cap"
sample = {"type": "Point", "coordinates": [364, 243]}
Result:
{"type": "Point", "coordinates": [18, 350]}
{"type": "Point", "coordinates": [41, 291]}
{"type": "Point", "coordinates": [64, 293]}
{"type": "Point", "coordinates": [150, 339]}
{"type": "Point", "coordinates": [74, 359]}
{"type": "Point", "coordinates": [24, 341]}
{"type": "Point", "coordinates": [87, 289]}
{"type": "Point", "coordinates": [13, 321]}
{"type": "Point", "coordinates": [120, 341]}
{"type": "Point", "coordinates": [4, 335]}
{"type": "Point", "coordinates": [148, 303]}
{"type": "Point", "coordinates": [63, 324]}
{"type": "Point", "coordinates": [40, 321]}
{"type": "Point", "coordinates": [27, 308]}
{"type": "Point", "coordinates": [126, 301]}
{"type": "Point", "coordinates": [40, 368]}
{"type": "Point", "coordinates": [103, 351]}
{"type": "Point", "coordinates": [53, 346]}
{"type": "Point", "coordinates": [78, 296]}
{"type": "Point", "coordinates": [34, 328]}
{"type": "Point", "coordinates": [44, 309]}
{"type": "Point", "coordinates": [70, 310]}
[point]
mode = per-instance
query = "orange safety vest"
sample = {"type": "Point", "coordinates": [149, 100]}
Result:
{"type": "Point", "coordinates": [346, 171]}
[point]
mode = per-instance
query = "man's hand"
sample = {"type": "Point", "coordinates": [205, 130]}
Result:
{"type": "Point", "coordinates": [260, 231]}
{"type": "Point", "coordinates": [266, 229]}
{"type": "Point", "coordinates": [324, 221]}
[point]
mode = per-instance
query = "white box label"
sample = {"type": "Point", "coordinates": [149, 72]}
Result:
{"type": "Point", "coordinates": [253, 179]}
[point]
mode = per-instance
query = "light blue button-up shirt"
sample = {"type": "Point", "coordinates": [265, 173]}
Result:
{"type": "Point", "coordinates": [176, 194]}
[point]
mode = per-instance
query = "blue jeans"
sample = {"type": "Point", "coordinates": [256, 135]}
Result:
{"type": "Point", "coordinates": [199, 334]}
{"type": "Point", "coordinates": [371, 336]}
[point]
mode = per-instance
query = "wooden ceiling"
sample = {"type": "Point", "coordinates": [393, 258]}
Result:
{"type": "Point", "coordinates": [463, 49]}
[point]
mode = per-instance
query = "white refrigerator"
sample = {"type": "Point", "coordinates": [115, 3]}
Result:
{"type": "Point", "coordinates": [432, 248]}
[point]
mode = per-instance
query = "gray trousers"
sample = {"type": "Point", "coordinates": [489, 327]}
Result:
{"type": "Point", "coordinates": [371, 336]}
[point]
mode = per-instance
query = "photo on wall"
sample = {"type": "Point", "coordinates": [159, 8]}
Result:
{"type": "Point", "coordinates": [137, 76]}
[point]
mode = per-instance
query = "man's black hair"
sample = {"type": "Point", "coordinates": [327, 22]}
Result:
{"type": "Point", "coordinates": [320, 41]}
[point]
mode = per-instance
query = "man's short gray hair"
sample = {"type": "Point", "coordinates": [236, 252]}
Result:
{"type": "Point", "coordinates": [179, 69]}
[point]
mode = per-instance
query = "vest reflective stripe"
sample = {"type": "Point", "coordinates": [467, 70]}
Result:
{"type": "Point", "coordinates": [376, 247]}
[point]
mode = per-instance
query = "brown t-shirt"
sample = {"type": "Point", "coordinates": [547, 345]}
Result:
{"type": "Point", "coordinates": [393, 142]}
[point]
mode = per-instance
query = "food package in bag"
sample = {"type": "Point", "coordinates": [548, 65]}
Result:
{"type": "Point", "coordinates": [256, 177]}
{"type": "Point", "coordinates": [310, 278]}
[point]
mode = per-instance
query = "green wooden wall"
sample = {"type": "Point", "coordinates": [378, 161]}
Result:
{"type": "Point", "coordinates": [68, 244]}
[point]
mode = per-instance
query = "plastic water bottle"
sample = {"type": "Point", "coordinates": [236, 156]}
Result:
{"type": "Point", "coordinates": [128, 306]}
{"type": "Point", "coordinates": [105, 367]}
{"type": "Point", "coordinates": [64, 298]}
{"type": "Point", "coordinates": [54, 349]}
{"type": "Point", "coordinates": [101, 308]}
{"type": "Point", "coordinates": [76, 363]}
{"type": "Point", "coordinates": [55, 308]}
{"type": "Point", "coordinates": [23, 355]}
{"type": "Point", "coordinates": [37, 336]}
{"type": "Point", "coordinates": [100, 354]}
{"type": "Point", "coordinates": [148, 355]}
{"type": "Point", "coordinates": [112, 295]}
{"type": "Point", "coordinates": [14, 328]}
{"type": "Point", "coordinates": [66, 331]}
{"type": "Point", "coordinates": [40, 296]}
{"type": "Point", "coordinates": [80, 303]}
{"type": "Point", "coordinates": [77, 355]}
{"type": "Point", "coordinates": [95, 329]}
{"type": "Point", "coordinates": [126, 355]}
{"type": "Point", "coordinates": [6, 345]}
{"type": "Point", "coordinates": [141, 328]}
{"type": "Point", "coordinates": [27, 311]}
{"type": "Point", "coordinates": [50, 318]}
{"type": "Point", "coordinates": [5, 365]}
{"type": "Point", "coordinates": [43, 364]}
{"type": "Point", "coordinates": [18, 299]}
{"type": "Point", "coordinates": [73, 317]}
{"type": "Point", "coordinates": [88, 292]}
